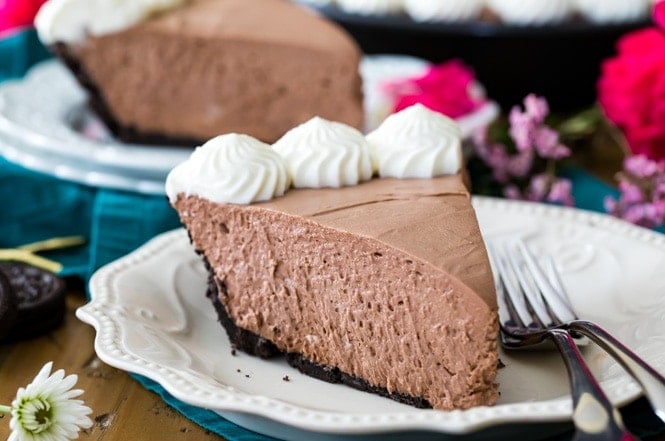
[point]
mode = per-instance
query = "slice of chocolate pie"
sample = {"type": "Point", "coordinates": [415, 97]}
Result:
{"type": "Point", "coordinates": [176, 71]}
{"type": "Point", "coordinates": [383, 284]}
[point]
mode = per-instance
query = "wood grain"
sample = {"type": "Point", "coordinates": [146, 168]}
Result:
{"type": "Point", "coordinates": [122, 408]}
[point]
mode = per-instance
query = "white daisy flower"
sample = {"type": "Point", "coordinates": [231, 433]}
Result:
{"type": "Point", "coordinates": [46, 410]}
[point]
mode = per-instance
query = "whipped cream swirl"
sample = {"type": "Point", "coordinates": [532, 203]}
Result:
{"type": "Point", "coordinates": [444, 10]}
{"type": "Point", "coordinates": [236, 169]}
{"type": "Point", "coordinates": [70, 21]}
{"type": "Point", "coordinates": [532, 12]}
{"type": "Point", "coordinates": [416, 143]}
{"type": "Point", "coordinates": [613, 11]}
{"type": "Point", "coordinates": [371, 7]}
{"type": "Point", "coordinates": [322, 153]}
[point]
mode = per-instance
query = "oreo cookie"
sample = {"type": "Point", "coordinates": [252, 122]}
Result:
{"type": "Point", "coordinates": [39, 297]}
{"type": "Point", "coordinates": [8, 308]}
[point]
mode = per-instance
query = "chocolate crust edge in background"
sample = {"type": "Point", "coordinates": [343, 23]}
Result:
{"type": "Point", "coordinates": [97, 103]}
{"type": "Point", "coordinates": [256, 345]}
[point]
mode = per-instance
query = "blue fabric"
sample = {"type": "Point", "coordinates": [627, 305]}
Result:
{"type": "Point", "coordinates": [19, 51]}
{"type": "Point", "coordinates": [37, 207]}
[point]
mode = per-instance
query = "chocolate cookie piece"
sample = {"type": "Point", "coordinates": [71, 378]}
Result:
{"type": "Point", "coordinates": [8, 308]}
{"type": "Point", "coordinates": [40, 299]}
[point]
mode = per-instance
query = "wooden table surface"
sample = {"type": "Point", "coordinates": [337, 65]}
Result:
{"type": "Point", "coordinates": [122, 408]}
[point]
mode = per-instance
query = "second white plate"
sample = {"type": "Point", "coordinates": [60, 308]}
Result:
{"type": "Point", "coordinates": [45, 125]}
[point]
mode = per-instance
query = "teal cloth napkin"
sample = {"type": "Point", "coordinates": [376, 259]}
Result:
{"type": "Point", "coordinates": [37, 207]}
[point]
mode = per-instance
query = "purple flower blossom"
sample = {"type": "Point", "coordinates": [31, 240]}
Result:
{"type": "Point", "coordinates": [642, 167]}
{"type": "Point", "coordinates": [546, 142]}
{"type": "Point", "coordinates": [642, 193]}
{"type": "Point", "coordinates": [537, 107]}
{"type": "Point", "coordinates": [561, 192]}
{"type": "Point", "coordinates": [511, 191]}
{"type": "Point", "coordinates": [535, 145]}
{"type": "Point", "coordinates": [521, 129]}
{"type": "Point", "coordinates": [537, 190]}
{"type": "Point", "coordinates": [543, 187]}
{"type": "Point", "coordinates": [520, 165]}
{"type": "Point", "coordinates": [528, 129]}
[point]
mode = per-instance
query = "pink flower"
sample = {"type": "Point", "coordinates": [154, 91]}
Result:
{"type": "Point", "coordinates": [631, 90]}
{"type": "Point", "coordinates": [448, 88]}
{"type": "Point", "coordinates": [659, 14]}
{"type": "Point", "coordinates": [17, 13]}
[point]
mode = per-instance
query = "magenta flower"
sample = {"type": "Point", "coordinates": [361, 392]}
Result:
{"type": "Point", "coordinates": [631, 88]}
{"type": "Point", "coordinates": [17, 13]}
{"type": "Point", "coordinates": [659, 14]}
{"type": "Point", "coordinates": [449, 88]}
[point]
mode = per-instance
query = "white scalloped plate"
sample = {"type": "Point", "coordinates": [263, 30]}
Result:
{"type": "Point", "coordinates": [152, 318]}
{"type": "Point", "coordinates": [45, 125]}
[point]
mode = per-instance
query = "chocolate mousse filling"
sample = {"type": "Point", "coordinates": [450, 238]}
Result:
{"type": "Point", "coordinates": [97, 102]}
{"type": "Point", "coordinates": [384, 286]}
{"type": "Point", "coordinates": [254, 344]}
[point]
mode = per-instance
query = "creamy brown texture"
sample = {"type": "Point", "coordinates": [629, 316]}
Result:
{"type": "Point", "coordinates": [388, 281]}
{"type": "Point", "coordinates": [219, 66]}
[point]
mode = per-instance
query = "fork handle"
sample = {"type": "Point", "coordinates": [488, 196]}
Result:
{"type": "Point", "coordinates": [651, 381]}
{"type": "Point", "coordinates": [594, 416]}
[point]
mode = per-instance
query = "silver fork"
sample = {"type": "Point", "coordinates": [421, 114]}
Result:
{"type": "Point", "coordinates": [526, 321]}
{"type": "Point", "coordinates": [652, 382]}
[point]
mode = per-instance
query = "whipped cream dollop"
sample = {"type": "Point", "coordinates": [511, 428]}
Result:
{"type": "Point", "coordinates": [70, 21]}
{"type": "Point", "coordinates": [443, 10]}
{"type": "Point", "coordinates": [613, 11]}
{"type": "Point", "coordinates": [532, 12]}
{"type": "Point", "coordinates": [371, 7]}
{"type": "Point", "coordinates": [232, 168]}
{"type": "Point", "coordinates": [322, 153]}
{"type": "Point", "coordinates": [416, 143]}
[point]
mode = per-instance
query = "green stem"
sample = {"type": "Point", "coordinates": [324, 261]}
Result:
{"type": "Point", "coordinates": [5, 409]}
{"type": "Point", "coordinates": [56, 243]}
{"type": "Point", "coordinates": [29, 258]}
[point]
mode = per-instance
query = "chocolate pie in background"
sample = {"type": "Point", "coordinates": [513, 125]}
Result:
{"type": "Point", "coordinates": [182, 72]}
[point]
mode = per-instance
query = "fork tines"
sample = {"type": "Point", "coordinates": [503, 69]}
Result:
{"type": "Point", "coordinates": [528, 297]}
